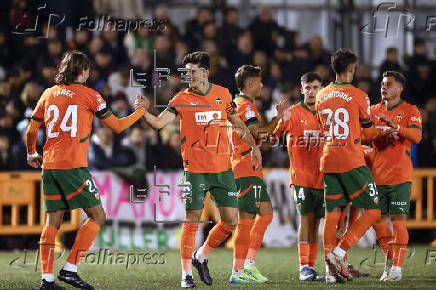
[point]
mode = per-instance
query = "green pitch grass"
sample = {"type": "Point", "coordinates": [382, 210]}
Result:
{"type": "Point", "coordinates": [279, 265]}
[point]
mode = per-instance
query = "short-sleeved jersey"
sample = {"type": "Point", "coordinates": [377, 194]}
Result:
{"type": "Point", "coordinates": [342, 111]}
{"type": "Point", "coordinates": [67, 112]}
{"type": "Point", "coordinates": [305, 144]}
{"type": "Point", "coordinates": [392, 163]}
{"type": "Point", "coordinates": [241, 156]}
{"type": "Point", "coordinates": [204, 128]}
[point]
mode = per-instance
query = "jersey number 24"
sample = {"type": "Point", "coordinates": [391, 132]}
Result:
{"type": "Point", "coordinates": [70, 113]}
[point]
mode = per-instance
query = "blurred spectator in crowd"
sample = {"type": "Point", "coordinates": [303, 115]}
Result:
{"type": "Point", "coordinates": [418, 69]}
{"type": "Point", "coordinates": [391, 62]}
{"type": "Point", "coordinates": [229, 31]}
{"type": "Point", "coordinates": [243, 53]}
{"type": "Point", "coordinates": [120, 9]}
{"type": "Point", "coordinates": [103, 64]}
{"type": "Point", "coordinates": [263, 28]}
{"type": "Point", "coordinates": [318, 54]}
{"type": "Point", "coordinates": [194, 27]}
{"type": "Point", "coordinates": [117, 51]}
{"type": "Point", "coordinates": [105, 152]}
{"type": "Point", "coordinates": [136, 142]}
{"type": "Point", "coordinates": [141, 38]}
{"type": "Point", "coordinates": [7, 159]}
{"type": "Point", "coordinates": [119, 84]}
{"type": "Point", "coordinates": [427, 146]}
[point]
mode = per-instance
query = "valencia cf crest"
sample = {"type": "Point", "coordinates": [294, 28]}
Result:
{"type": "Point", "coordinates": [397, 118]}
{"type": "Point", "coordinates": [219, 101]}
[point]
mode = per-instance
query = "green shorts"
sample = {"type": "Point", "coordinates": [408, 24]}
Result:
{"type": "Point", "coordinates": [221, 186]}
{"type": "Point", "coordinates": [69, 188]}
{"type": "Point", "coordinates": [308, 200]}
{"type": "Point", "coordinates": [394, 199]}
{"type": "Point", "coordinates": [356, 185]}
{"type": "Point", "coordinates": [252, 190]}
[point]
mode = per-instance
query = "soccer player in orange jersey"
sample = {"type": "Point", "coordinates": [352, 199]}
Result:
{"type": "Point", "coordinates": [205, 110]}
{"type": "Point", "coordinates": [392, 170]}
{"type": "Point", "coordinates": [253, 199]}
{"type": "Point", "coordinates": [67, 110]}
{"type": "Point", "coordinates": [343, 110]}
{"type": "Point", "coordinates": [305, 145]}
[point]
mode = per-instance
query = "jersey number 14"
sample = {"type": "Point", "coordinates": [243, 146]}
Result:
{"type": "Point", "coordinates": [70, 113]}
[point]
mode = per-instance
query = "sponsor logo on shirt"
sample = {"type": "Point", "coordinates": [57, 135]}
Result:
{"type": "Point", "coordinates": [208, 117]}
{"type": "Point", "coordinates": [232, 193]}
{"type": "Point", "coordinates": [249, 114]}
{"type": "Point", "coordinates": [416, 119]}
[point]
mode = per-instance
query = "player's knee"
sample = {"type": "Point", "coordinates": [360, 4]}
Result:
{"type": "Point", "coordinates": [192, 215]}
{"type": "Point", "coordinates": [231, 221]}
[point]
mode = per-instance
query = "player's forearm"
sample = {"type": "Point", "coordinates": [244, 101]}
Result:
{"type": "Point", "coordinates": [267, 129]}
{"type": "Point", "coordinates": [119, 125]}
{"type": "Point", "coordinates": [153, 121]}
{"type": "Point", "coordinates": [414, 135]}
{"type": "Point", "coordinates": [370, 134]}
{"type": "Point", "coordinates": [31, 135]}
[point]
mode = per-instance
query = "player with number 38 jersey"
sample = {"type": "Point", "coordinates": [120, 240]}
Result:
{"type": "Point", "coordinates": [343, 110]}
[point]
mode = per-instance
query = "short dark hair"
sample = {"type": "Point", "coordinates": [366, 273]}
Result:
{"type": "Point", "coordinates": [310, 77]}
{"type": "Point", "coordinates": [244, 72]}
{"type": "Point", "coordinates": [341, 59]}
{"type": "Point", "coordinates": [72, 64]}
{"type": "Point", "coordinates": [199, 57]}
{"type": "Point", "coordinates": [399, 77]}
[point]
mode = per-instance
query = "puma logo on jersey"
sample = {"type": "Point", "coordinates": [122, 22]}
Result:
{"type": "Point", "coordinates": [192, 103]}
{"type": "Point", "coordinates": [63, 92]}
{"type": "Point", "coordinates": [304, 122]}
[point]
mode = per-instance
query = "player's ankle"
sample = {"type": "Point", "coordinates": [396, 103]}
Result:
{"type": "Point", "coordinates": [187, 272]}
{"type": "Point", "coordinates": [70, 267]}
{"type": "Point", "coordinates": [339, 251]}
{"type": "Point", "coordinates": [49, 277]}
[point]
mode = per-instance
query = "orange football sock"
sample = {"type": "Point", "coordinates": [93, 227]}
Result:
{"type": "Point", "coordinates": [384, 237]}
{"type": "Point", "coordinates": [399, 245]}
{"type": "Point", "coordinates": [217, 235]}
{"type": "Point", "coordinates": [304, 253]}
{"type": "Point", "coordinates": [358, 228]}
{"type": "Point", "coordinates": [47, 248]}
{"type": "Point", "coordinates": [354, 214]}
{"type": "Point", "coordinates": [84, 238]}
{"type": "Point", "coordinates": [187, 244]}
{"type": "Point", "coordinates": [313, 253]}
{"type": "Point", "coordinates": [242, 241]}
{"type": "Point", "coordinates": [256, 235]}
{"type": "Point", "coordinates": [331, 223]}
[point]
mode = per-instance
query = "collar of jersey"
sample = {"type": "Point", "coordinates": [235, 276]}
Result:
{"type": "Point", "coordinates": [340, 83]}
{"type": "Point", "coordinates": [394, 106]}
{"type": "Point", "coordinates": [200, 94]}
{"type": "Point", "coordinates": [245, 97]}
{"type": "Point", "coordinates": [77, 83]}
{"type": "Point", "coordinates": [306, 107]}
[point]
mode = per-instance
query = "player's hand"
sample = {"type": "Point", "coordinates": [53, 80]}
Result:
{"type": "Point", "coordinates": [256, 158]}
{"type": "Point", "coordinates": [388, 121]}
{"type": "Point", "coordinates": [34, 160]}
{"type": "Point", "coordinates": [141, 101]}
{"type": "Point", "coordinates": [287, 115]}
{"type": "Point", "coordinates": [281, 107]}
